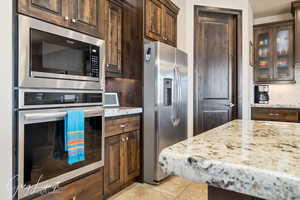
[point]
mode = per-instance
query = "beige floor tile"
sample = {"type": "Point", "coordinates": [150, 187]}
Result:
{"type": "Point", "coordinates": [143, 192]}
{"type": "Point", "coordinates": [173, 186]}
{"type": "Point", "coordinates": [194, 191]}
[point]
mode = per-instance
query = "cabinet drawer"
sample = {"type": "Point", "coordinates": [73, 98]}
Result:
{"type": "Point", "coordinates": [276, 115]}
{"type": "Point", "coordinates": [121, 125]}
{"type": "Point", "coordinates": [90, 187]}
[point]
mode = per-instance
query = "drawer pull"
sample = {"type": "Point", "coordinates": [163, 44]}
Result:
{"type": "Point", "coordinates": [123, 139]}
{"type": "Point", "coordinates": [127, 138]}
{"type": "Point", "coordinates": [274, 114]}
{"type": "Point", "coordinates": [123, 126]}
{"type": "Point", "coordinates": [74, 198]}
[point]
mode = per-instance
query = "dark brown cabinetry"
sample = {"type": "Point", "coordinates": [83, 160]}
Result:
{"type": "Point", "coordinates": [122, 153]}
{"type": "Point", "coordinates": [80, 15]}
{"type": "Point", "coordinates": [90, 187]}
{"type": "Point", "coordinates": [114, 38]}
{"type": "Point", "coordinates": [272, 114]}
{"type": "Point", "coordinates": [274, 53]}
{"type": "Point", "coordinates": [296, 13]}
{"type": "Point", "coordinates": [161, 21]}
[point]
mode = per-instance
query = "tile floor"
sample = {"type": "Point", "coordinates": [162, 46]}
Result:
{"type": "Point", "coordinates": [174, 188]}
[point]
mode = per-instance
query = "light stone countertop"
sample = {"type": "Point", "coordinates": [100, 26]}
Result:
{"type": "Point", "coordinates": [120, 111]}
{"type": "Point", "coordinates": [260, 159]}
{"type": "Point", "coordinates": [289, 106]}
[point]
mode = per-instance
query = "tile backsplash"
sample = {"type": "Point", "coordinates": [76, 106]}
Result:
{"type": "Point", "coordinates": [286, 93]}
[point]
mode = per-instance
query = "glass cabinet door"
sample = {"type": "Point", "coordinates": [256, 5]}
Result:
{"type": "Point", "coordinates": [283, 54]}
{"type": "Point", "coordinates": [263, 55]}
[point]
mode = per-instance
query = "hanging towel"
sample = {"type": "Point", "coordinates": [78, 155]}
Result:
{"type": "Point", "coordinates": [74, 136]}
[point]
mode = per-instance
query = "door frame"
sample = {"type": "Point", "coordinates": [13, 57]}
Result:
{"type": "Point", "coordinates": [239, 49]}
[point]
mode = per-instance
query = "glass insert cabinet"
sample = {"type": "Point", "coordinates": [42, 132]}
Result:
{"type": "Point", "coordinates": [274, 53]}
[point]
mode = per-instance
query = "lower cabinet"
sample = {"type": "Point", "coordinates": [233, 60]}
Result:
{"type": "Point", "coordinates": [275, 114]}
{"type": "Point", "coordinates": [90, 187]}
{"type": "Point", "coordinates": [122, 158]}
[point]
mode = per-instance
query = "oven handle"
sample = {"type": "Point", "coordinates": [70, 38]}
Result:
{"type": "Point", "coordinates": [41, 116]}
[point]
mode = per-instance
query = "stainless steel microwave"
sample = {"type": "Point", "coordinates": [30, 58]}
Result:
{"type": "Point", "coordinates": [51, 56]}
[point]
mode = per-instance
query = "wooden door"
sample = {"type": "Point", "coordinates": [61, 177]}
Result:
{"type": "Point", "coordinates": [169, 27]}
{"type": "Point", "coordinates": [284, 52]}
{"type": "Point", "coordinates": [215, 70]}
{"type": "Point", "coordinates": [264, 68]}
{"type": "Point", "coordinates": [132, 155]}
{"type": "Point", "coordinates": [114, 38]}
{"type": "Point", "coordinates": [154, 19]}
{"type": "Point", "coordinates": [54, 11]}
{"type": "Point", "coordinates": [85, 16]}
{"type": "Point", "coordinates": [114, 164]}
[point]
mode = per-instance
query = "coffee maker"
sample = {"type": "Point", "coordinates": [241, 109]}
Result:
{"type": "Point", "coordinates": [261, 94]}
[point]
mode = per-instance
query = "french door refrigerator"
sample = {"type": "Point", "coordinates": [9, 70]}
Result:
{"type": "Point", "coordinates": [165, 104]}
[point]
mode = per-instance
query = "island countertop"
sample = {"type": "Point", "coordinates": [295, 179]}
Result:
{"type": "Point", "coordinates": [260, 159]}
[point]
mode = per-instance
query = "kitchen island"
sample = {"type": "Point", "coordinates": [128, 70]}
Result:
{"type": "Point", "coordinates": [241, 160]}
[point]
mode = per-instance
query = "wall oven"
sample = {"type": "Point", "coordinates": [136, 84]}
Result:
{"type": "Point", "coordinates": [42, 159]}
{"type": "Point", "coordinates": [51, 56]}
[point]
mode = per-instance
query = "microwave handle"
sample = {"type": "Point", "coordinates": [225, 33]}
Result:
{"type": "Point", "coordinates": [43, 116]}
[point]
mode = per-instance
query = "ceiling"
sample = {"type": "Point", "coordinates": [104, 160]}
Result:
{"type": "Point", "coordinates": [265, 8]}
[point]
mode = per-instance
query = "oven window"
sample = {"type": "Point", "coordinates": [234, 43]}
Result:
{"type": "Point", "coordinates": [59, 55]}
{"type": "Point", "coordinates": [44, 155]}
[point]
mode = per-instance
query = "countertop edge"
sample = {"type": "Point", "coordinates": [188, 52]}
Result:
{"type": "Point", "coordinates": [228, 176]}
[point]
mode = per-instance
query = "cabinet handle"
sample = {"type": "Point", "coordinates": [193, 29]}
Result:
{"type": "Point", "coordinates": [123, 139]}
{"type": "Point", "coordinates": [74, 198]}
{"type": "Point", "coordinates": [127, 138]}
{"type": "Point", "coordinates": [74, 21]}
{"type": "Point", "coordinates": [122, 126]}
{"type": "Point", "coordinates": [274, 114]}
{"type": "Point", "coordinates": [66, 18]}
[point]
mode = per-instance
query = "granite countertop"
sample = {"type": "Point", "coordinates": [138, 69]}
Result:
{"type": "Point", "coordinates": [290, 106]}
{"type": "Point", "coordinates": [120, 111]}
{"type": "Point", "coordinates": [260, 159]}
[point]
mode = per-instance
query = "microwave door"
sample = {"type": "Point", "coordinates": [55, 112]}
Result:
{"type": "Point", "coordinates": [40, 159]}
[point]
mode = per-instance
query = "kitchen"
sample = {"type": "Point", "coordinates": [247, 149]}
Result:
{"type": "Point", "coordinates": [114, 44]}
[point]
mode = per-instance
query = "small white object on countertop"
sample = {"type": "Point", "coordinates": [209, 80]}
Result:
{"type": "Point", "coordinates": [289, 106]}
{"type": "Point", "coordinates": [120, 111]}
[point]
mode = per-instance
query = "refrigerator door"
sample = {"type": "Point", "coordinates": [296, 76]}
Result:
{"type": "Point", "coordinates": [170, 113]}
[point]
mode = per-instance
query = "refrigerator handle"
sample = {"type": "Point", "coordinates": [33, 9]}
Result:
{"type": "Point", "coordinates": [175, 116]}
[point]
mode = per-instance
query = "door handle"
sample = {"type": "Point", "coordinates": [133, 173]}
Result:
{"type": "Point", "coordinates": [230, 105]}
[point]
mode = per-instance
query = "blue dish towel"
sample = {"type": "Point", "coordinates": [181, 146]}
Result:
{"type": "Point", "coordinates": [74, 136]}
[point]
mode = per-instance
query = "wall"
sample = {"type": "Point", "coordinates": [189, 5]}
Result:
{"type": "Point", "coordinates": [186, 42]}
{"type": "Point", "coordinates": [6, 99]}
{"type": "Point", "coordinates": [282, 93]}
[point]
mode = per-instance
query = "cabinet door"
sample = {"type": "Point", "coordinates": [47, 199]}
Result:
{"type": "Point", "coordinates": [54, 11]}
{"type": "Point", "coordinates": [113, 176]}
{"type": "Point", "coordinates": [154, 19]}
{"type": "Point", "coordinates": [85, 16]}
{"type": "Point", "coordinates": [170, 27]}
{"type": "Point", "coordinates": [114, 38]}
{"type": "Point", "coordinates": [132, 155]}
{"type": "Point", "coordinates": [90, 187]}
{"type": "Point", "coordinates": [284, 53]}
{"type": "Point", "coordinates": [264, 55]}
{"type": "Point", "coordinates": [297, 35]}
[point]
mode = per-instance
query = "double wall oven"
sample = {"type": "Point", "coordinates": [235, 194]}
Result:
{"type": "Point", "coordinates": [59, 70]}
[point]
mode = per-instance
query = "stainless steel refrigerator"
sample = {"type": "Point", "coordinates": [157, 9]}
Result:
{"type": "Point", "coordinates": [165, 104]}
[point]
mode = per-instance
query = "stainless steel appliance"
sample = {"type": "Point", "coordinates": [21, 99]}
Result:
{"type": "Point", "coordinates": [165, 104]}
{"type": "Point", "coordinates": [41, 156]}
{"type": "Point", "coordinates": [261, 94]}
{"type": "Point", "coordinates": [55, 57]}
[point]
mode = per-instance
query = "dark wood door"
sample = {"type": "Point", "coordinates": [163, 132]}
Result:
{"type": "Point", "coordinates": [170, 27]}
{"type": "Point", "coordinates": [215, 70]}
{"type": "Point", "coordinates": [54, 11]}
{"type": "Point", "coordinates": [114, 164]}
{"type": "Point", "coordinates": [132, 155]}
{"type": "Point", "coordinates": [114, 38]}
{"type": "Point", "coordinates": [85, 16]}
{"type": "Point", "coordinates": [154, 19]}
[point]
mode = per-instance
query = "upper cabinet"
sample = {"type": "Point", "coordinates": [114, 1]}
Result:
{"type": "Point", "coordinates": [80, 15]}
{"type": "Point", "coordinates": [114, 38]}
{"type": "Point", "coordinates": [274, 53]}
{"type": "Point", "coordinates": [296, 13]}
{"type": "Point", "coordinates": [161, 21]}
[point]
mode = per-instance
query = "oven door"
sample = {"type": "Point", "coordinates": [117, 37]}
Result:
{"type": "Point", "coordinates": [56, 57]}
{"type": "Point", "coordinates": [42, 158]}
